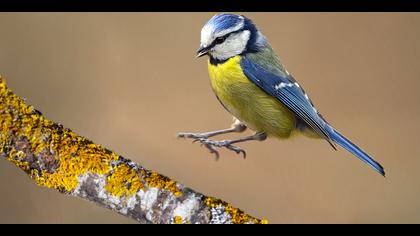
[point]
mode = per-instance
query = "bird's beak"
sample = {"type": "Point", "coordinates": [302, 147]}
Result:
{"type": "Point", "coordinates": [202, 51]}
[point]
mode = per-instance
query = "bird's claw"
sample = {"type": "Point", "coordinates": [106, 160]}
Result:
{"type": "Point", "coordinates": [211, 145]}
{"type": "Point", "coordinates": [236, 149]}
{"type": "Point", "coordinates": [212, 150]}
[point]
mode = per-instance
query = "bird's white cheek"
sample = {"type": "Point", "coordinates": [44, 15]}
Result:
{"type": "Point", "coordinates": [233, 46]}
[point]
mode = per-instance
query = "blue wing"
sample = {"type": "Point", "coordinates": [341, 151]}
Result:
{"type": "Point", "coordinates": [288, 92]}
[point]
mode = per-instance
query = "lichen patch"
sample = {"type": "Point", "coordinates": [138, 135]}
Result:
{"type": "Point", "coordinates": [235, 215]}
{"type": "Point", "coordinates": [155, 180]}
{"type": "Point", "coordinates": [57, 158]}
{"type": "Point", "coordinates": [124, 181]}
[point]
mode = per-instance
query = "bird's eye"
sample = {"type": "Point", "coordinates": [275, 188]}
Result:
{"type": "Point", "coordinates": [220, 40]}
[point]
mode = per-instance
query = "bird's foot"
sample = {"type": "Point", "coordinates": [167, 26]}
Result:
{"type": "Point", "coordinates": [212, 145]}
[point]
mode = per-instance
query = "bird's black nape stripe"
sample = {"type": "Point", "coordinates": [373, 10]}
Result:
{"type": "Point", "coordinates": [250, 46]}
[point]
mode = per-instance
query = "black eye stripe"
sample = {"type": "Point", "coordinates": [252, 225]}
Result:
{"type": "Point", "coordinates": [221, 39]}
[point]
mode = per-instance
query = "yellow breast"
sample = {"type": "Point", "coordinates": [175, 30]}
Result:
{"type": "Point", "coordinates": [247, 102]}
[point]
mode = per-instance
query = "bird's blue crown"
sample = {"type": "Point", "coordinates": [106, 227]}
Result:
{"type": "Point", "coordinates": [227, 22]}
{"type": "Point", "coordinates": [222, 22]}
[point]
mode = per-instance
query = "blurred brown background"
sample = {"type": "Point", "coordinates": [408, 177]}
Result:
{"type": "Point", "coordinates": [131, 81]}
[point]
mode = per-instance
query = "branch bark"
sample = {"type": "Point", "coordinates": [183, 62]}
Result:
{"type": "Point", "coordinates": [57, 158]}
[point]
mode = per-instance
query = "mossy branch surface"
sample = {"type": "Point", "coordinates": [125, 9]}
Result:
{"type": "Point", "coordinates": [57, 158]}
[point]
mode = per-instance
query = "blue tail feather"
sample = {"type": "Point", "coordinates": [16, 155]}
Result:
{"type": "Point", "coordinates": [351, 147]}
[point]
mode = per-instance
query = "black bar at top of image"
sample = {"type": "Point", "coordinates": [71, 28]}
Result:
{"type": "Point", "coordinates": [210, 5]}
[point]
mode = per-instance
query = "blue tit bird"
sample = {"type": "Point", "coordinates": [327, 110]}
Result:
{"type": "Point", "coordinates": [254, 86]}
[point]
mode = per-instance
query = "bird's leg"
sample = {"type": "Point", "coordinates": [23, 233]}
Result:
{"type": "Point", "coordinates": [211, 144]}
{"type": "Point", "coordinates": [237, 127]}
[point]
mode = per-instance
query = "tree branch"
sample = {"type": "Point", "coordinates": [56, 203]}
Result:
{"type": "Point", "coordinates": [57, 158]}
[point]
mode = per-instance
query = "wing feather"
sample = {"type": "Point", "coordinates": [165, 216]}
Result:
{"type": "Point", "coordinates": [286, 90]}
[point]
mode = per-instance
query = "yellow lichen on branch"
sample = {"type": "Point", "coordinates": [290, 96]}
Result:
{"type": "Point", "coordinates": [57, 158]}
{"type": "Point", "coordinates": [65, 154]}
{"type": "Point", "coordinates": [156, 180]}
{"type": "Point", "coordinates": [177, 220]}
{"type": "Point", "coordinates": [238, 216]}
{"type": "Point", "coordinates": [123, 181]}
